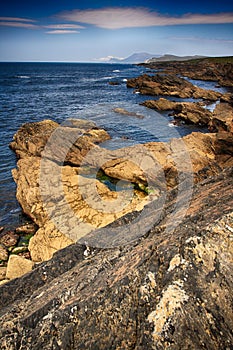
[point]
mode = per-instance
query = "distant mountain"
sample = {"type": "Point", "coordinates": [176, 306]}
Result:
{"type": "Point", "coordinates": [139, 57]}
{"type": "Point", "coordinates": [167, 57]}
{"type": "Point", "coordinates": [144, 57]}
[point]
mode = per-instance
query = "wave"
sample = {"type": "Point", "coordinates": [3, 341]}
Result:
{"type": "Point", "coordinates": [106, 78]}
{"type": "Point", "coordinates": [23, 77]}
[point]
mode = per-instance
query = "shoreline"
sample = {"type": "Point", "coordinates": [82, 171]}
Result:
{"type": "Point", "coordinates": [185, 112]}
{"type": "Point", "coordinates": [155, 268]}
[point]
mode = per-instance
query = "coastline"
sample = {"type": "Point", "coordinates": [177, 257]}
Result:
{"type": "Point", "coordinates": [209, 170]}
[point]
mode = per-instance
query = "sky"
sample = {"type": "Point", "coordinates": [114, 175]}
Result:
{"type": "Point", "coordinates": [91, 31]}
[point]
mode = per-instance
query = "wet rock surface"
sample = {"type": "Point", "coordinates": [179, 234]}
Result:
{"type": "Point", "coordinates": [170, 289]}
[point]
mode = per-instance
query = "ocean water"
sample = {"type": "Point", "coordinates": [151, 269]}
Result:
{"type": "Point", "coordinates": [32, 92]}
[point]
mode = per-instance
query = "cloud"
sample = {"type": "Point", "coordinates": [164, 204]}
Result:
{"type": "Point", "coordinates": [195, 38]}
{"type": "Point", "coordinates": [63, 32]}
{"type": "Point", "coordinates": [64, 26]}
{"type": "Point", "coordinates": [18, 22]}
{"type": "Point", "coordinates": [127, 17]}
{"type": "Point", "coordinates": [17, 19]}
{"type": "Point", "coordinates": [19, 25]}
{"type": "Point", "coordinates": [107, 59]}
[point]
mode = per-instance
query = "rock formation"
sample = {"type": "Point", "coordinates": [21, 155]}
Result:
{"type": "Point", "coordinates": [171, 289]}
{"type": "Point", "coordinates": [217, 69]}
{"type": "Point", "coordinates": [133, 246]}
{"type": "Point", "coordinates": [170, 85]}
{"type": "Point", "coordinates": [56, 183]}
{"type": "Point", "coordinates": [189, 112]}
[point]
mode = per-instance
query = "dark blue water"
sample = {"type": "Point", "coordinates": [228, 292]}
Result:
{"type": "Point", "coordinates": [35, 91]}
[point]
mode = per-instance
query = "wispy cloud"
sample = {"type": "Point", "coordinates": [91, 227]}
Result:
{"type": "Point", "coordinates": [18, 25]}
{"type": "Point", "coordinates": [195, 38]}
{"type": "Point", "coordinates": [60, 31]}
{"type": "Point", "coordinates": [16, 19]}
{"type": "Point", "coordinates": [63, 26]}
{"type": "Point", "coordinates": [127, 17]}
{"type": "Point", "coordinates": [18, 22]}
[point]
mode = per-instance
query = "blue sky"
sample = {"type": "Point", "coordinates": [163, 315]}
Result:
{"type": "Point", "coordinates": [78, 31]}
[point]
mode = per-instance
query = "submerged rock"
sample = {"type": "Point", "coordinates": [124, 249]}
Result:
{"type": "Point", "coordinates": [128, 113]}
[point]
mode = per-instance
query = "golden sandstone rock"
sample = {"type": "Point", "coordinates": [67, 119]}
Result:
{"type": "Point", "coordinates": [18, 266]}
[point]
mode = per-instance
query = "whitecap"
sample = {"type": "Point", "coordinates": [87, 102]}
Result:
{"type": "Point", "coordinates": [116, 71]}
{"type": "Point", "coordinates": [172, 125]}
{"type": "Point", "coordinates": [23, 77]}
{"type": "Point", "coordinates": [125, 80]}
{"type": "Point", "coordinates": [15, 211]}
{"type": "Point", "coordinates": [105, 78]}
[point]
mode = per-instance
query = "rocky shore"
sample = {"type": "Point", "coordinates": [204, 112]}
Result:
{"type": "Point", "coordinates": [126, 249]}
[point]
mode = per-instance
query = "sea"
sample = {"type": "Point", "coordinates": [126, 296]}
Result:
{"type": "Point", "coordinates": [31, 92]}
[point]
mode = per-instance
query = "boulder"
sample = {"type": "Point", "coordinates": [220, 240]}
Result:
{"type": "Point", "coordinates": [3, 253]}
{"type": "Point", "coordinates": [9, 239]}
{"type": "Point", "coordinates": [18, 266]}
{"type": "Point", "coordinates": [26, 229]}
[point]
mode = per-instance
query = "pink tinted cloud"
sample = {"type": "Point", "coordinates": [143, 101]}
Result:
{"type": "Point", "coordinates": [119, 17]}
{"type": "Point", "coordinates": [60, 31]}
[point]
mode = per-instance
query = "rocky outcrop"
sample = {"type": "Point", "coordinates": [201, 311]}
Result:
{"type": "Point", "coordinates": [222, 118]}
{"type": "Point", "coordinates": [61, 191]}
{"type": "Point", "coordinates": [151, 266]}
{"type": "Point", "coordinates": [189, 112]}
{"type": "Point", "coordinates": [31, 139]}
{"type": "Point", "coordinates": [50, 190]}
{"type": "Point", "coordinates": [222, 124]}
{"type": "Point", "coordinates": [170, 85]}
{"type": "Point", "coordinates": [217, 69]}
{"type": "Point", "coordinates": [170, 289]}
